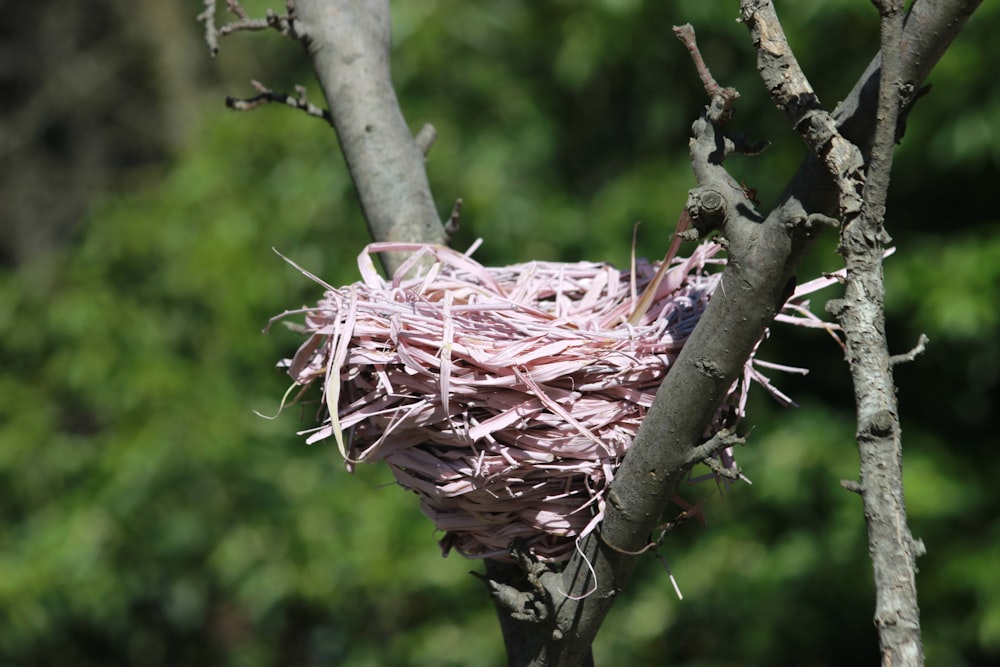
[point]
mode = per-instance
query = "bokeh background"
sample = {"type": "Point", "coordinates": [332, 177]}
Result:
{"type": "Point", "coordinates": [148, 517]}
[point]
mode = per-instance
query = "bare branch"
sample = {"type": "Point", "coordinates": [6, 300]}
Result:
{"type": "Point", "coordinates": [265, 95]}
{"type": "Point", "coordinates": [931, 26]}
{"type": "Point", "coordinates": [917, 350]}
{"type": "Point", "coordinates": [792, 93]}
{"type": "Point", "coordinates": [211, 33]}
{"type": "Point", "coordinates": [685, 33]}
{"type": "Point", "coordinates": [852, 486]}
{"type": "Point", "coordinates": [284, 24]}
{"type": "Point", "coordinates": [735, 318]}
{"type": "Point", "coordinates": [271, 21]}
{"type": "Point", "coordinates": [349, 42]}
{"type": "Point", "coordinates": [451, 224]}
{"type": "Point", "coordinates": [897, 614]}
{"type": "Point", "coordinates": [425, 138]}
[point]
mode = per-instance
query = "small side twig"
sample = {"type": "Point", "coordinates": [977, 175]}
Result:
{"type": "Point", "coordinates": [265, 96]}
{"type": "Point", "coordinates": [808, 226]}
{"type": "Point", "coordinates": [718, 442]}
{"type": "Point", "coordinates": [685, 33]}
{"type": "Point", "coordinates": [425, 138]}
{"type": "Point", "coordinates": [917, 350]}
{"type": "Point", "coordinates": [719, 199]}
{"type": "Point", "coordinates": [281, 23]}
{"type": "Point", "coordinates": [451, 224]}
{"type": "Point", "coordinates": [722, 98]}
{"type": "Point", "coordinates": [720, 470]}
{"type": "Point", "coordinates": [852, 486]}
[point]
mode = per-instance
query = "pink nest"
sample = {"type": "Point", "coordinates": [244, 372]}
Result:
{"type": "Point", "coordinates": [505, 398]}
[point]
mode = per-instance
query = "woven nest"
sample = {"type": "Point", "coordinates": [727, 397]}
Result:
{"type": "Point", "coordinates": [505, 398]}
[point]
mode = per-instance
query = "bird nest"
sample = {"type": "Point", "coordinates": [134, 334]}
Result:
{"type": "Point", "coordinates": [505, 398]}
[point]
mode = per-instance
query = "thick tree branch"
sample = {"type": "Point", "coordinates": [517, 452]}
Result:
{"type": "Point", "coordinates": [862, 316]}
{"type": "Point", "coordinates": [792, 93]}
{"type": "Point", "coordinates": [349, 42]}
{"type": "Point", "coordinates": [764, 253]}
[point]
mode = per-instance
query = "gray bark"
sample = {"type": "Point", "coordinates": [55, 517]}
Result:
{"type": "Point", "coordinates": [862, 315]}
{"type": "Point", "coordinates": [349, 42]}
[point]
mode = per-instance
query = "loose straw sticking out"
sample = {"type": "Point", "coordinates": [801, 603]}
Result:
{"type": "Point", "coordinates": [505, 398]}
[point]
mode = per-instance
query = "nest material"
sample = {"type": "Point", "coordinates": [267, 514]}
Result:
{"type": "Point", "coordinates": [505, 398]}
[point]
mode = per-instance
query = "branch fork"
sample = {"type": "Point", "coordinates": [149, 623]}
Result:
{"type": "Point", "coordinates": [531, 603]}
{"type": "Point", "coordinates": [552, 617]}
{"type": "Point", "coordinates": [794, 95]}
{"type": "Point", "coordinates": [719, 202]}
{"type": "Point", "coordinates": [284, 24]}
{"type": "Point", "coordinates": [861, 195]}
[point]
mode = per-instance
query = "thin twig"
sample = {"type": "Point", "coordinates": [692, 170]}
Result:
{"type": "Point", "coordinates": [721, 109]}
{"type": "Point", "coordinates": [733, 474]}
{"type": "Point", "coordinates": [282, 23]}
{"type": "Point", "coordinates": [685, 33]}
{"type": "Point", "coordinates": [452, 223]}
{"type": "Point", "coordinates": [234, 7]}
{"type": "Point", "coordinates": [266, 95]}
{"type": "Point", "coordinates": [852, 486]}
{"type": "Point", "coordinates": [917, 350]}
{"type": "Point", "coordinates": [211, 33]}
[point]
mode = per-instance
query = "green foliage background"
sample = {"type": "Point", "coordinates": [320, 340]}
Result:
{"type": "Point", "coordinates": [150, 518]}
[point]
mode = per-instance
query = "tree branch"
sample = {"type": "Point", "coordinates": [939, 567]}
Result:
{"type": "Point", "coordinates": [265, 96]}
{"type": "Point", "coordinates": [764, 253]}
{"type": "Point", "coordinates": [862, 316]}
{"type": "Point", "coordinates": [349, 42]}
{"type": "Point", "coordinates": [792, 93]}
{"type": "Point", "coordinates": [917, 350]}
{"type": "Point", "coordinates": [282, 23]}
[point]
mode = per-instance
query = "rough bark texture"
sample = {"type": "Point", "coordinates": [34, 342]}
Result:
{"type": "Point", "coordinates": [862, 315]}
{"type": "Point", "coordinates": [349, 42]}
{"type": "Point", "coordinates": [862, 188]}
